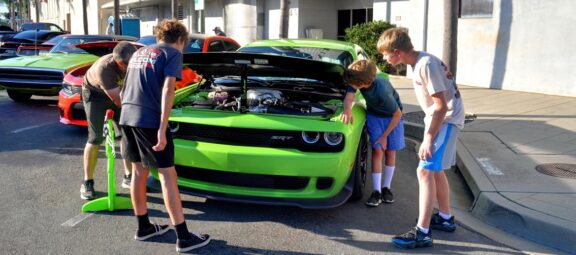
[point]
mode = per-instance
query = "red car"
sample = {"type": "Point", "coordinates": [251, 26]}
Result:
{"type": "Point", "coordinates": [70, 106]}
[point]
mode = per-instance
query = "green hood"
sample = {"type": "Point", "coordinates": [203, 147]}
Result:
{"type": "Point", "coordinates": [54, 61]}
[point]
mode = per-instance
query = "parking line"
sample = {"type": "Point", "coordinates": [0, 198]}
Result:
{"type": "Point", "coordinates": [77, 219]}
{"type": "Point", "coordinates": [31, 127]}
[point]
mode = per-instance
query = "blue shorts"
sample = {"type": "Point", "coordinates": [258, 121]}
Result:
{"type": "Point", "coordinates": [444, 149]}
{"type": "Point", "coordinates": [376, 125]}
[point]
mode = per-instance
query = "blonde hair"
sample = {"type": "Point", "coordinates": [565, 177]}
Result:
{"type": "Point", "coordinates": [360, 72]}
{"type": "Point", "coordinates": [169, 31]}
{"type": "Point", "coordinates": [394, 39]}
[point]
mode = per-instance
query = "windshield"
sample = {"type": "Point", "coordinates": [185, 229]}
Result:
{"type": "Point", "coordinates": [195, 45]}
{"type": "Point", "coordinates": [147, 40]}
{"type": "Point", "coordinates": [55, 40]}
{"type": "Point", "coordinates": [68, 45]}
{"type": "Point", "coordinates": [341, 57]}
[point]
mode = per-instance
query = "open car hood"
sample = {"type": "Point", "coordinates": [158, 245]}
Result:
{"type": "Point", "coordinates": [264, 65]}
{"type": "Point", "coordinates": [101, 48]}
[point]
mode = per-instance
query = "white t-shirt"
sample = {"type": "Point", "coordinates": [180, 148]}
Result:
{"type": "Point", "coordinates": [431, 76]}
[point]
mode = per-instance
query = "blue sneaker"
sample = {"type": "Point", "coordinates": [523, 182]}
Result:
{"type": "Point", "coordinates": [413, 239]}
{"type": "Point", "coordinates": [439, 223]}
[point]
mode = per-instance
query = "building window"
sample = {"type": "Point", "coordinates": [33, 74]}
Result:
{"type": "Point", "coordinates": [476, 8]}
{"type": "Point", "coordinates": [348, 18]}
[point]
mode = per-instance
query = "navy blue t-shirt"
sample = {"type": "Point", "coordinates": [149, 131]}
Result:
{"type": "Point", "coordinates": [142, 93]}
{"type": "Point", "coordinates": [381, 98]}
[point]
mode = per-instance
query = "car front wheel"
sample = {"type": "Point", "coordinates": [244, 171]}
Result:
{"type": "Point", "coordinates": [360, 168]}
{"type": "Point", "coordinates": [19, 96]}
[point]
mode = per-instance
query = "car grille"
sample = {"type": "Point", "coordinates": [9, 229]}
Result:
{"type": "Point", "coordinates": [78, 112]}
{"type": "Point", "coordinates": [250, 137]}
{"type": "Point", "coordinates": [35, 78]}
{"type": "Point", "coordinates": [261, 181]}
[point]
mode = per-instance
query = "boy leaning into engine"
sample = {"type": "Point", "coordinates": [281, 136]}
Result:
{"type": "Point", "coordinates": [384, 124]}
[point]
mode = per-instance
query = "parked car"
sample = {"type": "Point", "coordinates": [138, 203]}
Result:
{"type": "Point", "coordinates": [67, 39]}
{"type": "Point", "coordinates": [41, 26]}
{"type": "Point", "coordinates": [201, 43]}
{"type": "Point", "coordinates": [43, 75]}
{"type": "Point", "coordinates": [34, 37]}
{"type": "Point", "coordinates": [263, 128]}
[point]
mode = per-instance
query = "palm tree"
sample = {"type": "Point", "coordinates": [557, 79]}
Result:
{"type": "Point", "coordinates": [85, 16]}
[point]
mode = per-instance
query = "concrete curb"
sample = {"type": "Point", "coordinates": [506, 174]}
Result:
{"type": "Point", "coordinates": [495, 209]}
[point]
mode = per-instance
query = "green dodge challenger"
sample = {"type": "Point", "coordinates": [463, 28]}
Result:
{"type": "Point", "coordinates": [265, 128]}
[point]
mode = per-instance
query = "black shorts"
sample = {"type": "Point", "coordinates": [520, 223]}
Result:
{"type": "Point", "coordinates": [95, 106]}
{"type": "Point", "coordinates": [137, 147]}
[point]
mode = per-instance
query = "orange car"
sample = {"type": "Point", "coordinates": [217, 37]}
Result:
{"type": "Point", "coordinates": [70, 106]}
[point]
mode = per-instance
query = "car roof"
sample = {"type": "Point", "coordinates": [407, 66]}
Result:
{"type": "Point", "coordinates": [117, 37]}
{"type": "Point", "coordinates": [193, 36]}
{"type": "Point", "coordinates": [40, 32]}
{"type": "Point", "coordinates": [314, 43]}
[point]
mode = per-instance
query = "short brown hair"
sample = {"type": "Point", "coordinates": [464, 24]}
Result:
{"type": "Point", "coordinates": [394, 38]}
{"type": "Point", "coordinates": [360, 71]}
{"type": "Point", "coordinates": [123, 52]}
{"type": "Point", "coordinates": [169, 31]}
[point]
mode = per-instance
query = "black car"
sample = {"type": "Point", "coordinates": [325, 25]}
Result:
{"type": "Point", "coordinates": [41, 26]}
{"type": "Point", "coordinates": [8, 48]}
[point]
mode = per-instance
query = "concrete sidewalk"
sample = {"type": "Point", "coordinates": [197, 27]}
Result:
{"type": "Point", "coordinates": [498, 154]}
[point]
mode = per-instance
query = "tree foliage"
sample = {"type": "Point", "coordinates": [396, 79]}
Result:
{"type": "Point", "coordinates": [366, 36]}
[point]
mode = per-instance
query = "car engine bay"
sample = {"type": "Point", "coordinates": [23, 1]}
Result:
{"type": "Point", "coordinates": [288, 97]}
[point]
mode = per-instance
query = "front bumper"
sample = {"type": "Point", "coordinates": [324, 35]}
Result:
{"type": "Point", "coordinates": [264, 175]}
{"type": "Point", "coordinates": [37, 81]}
{"type": "Point", "coordinates": [71, 109]}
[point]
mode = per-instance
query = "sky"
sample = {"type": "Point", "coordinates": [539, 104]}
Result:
{"type": "Point", "coordinates": [3, 8]}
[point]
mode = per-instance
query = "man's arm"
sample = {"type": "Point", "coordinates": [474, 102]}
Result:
{"type": "Point", "coordinates": [440, 108]}
{"type": "Point", "coordinates": [167, 102]}
{"type": "Point", "coordinates": [114, 95]}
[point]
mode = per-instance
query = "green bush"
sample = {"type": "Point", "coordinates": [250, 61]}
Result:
{"type": "Point", "coordinates": [366, 36]}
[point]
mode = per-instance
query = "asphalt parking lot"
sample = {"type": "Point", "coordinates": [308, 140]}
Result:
{"type": "Point", "coordinates": [41, 160]}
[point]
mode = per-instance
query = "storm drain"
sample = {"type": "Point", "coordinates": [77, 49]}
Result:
{"type": "Point", "coordinates": [558, 170]}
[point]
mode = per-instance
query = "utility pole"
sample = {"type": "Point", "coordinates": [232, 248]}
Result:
{"type": "Point", "coordinates": [450, 43]}
{"type": "Point", "coordinates": [117, 17]}
{"type": "Point", "coordinates": [284, 7]}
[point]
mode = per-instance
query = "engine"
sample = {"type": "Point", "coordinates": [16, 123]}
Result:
{"type": "Point", "coordinates": [259, 100]}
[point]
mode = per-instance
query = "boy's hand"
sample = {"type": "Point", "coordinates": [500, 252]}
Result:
{"type": "Point", "coordinates": [383, 141]}
{"type": "Point", "coordinates": [346, 117]}
{"type": "Point", "coordinates": [426, 149]}
{"type": "Point", "coordinates": [161, 142]}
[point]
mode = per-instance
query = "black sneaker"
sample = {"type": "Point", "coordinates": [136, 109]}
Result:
{"type": "Point", "coordinates": [439, 223]}
{"type": "Point", "coordinates": [387, 196]}
{"type": "Point", "coordinates": [413, 239]}
{"type": "Point", "coordinates": [87, 190]}
{"type": "Point", "coordinates": [374, 200]}
{"type": "Point", "coordinates": [154, 230]}
{"type": "Point", "coordinates": [126, 180]}
{"type": "Point", "coordinates": [197, 241]}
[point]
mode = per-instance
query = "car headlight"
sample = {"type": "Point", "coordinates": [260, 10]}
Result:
{"type": "Point", "coordinates": [310, 137]}
{"type": "Point", "coordinates": [333, 138]}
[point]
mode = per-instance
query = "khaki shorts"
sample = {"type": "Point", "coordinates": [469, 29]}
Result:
{"type": "Point", "coordinates": [95, 106]}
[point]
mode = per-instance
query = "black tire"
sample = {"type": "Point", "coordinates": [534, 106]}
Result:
{"type": "Point", "coordinates": [360, 168]}
{"type": "Point", "coordinates": [19, 96]}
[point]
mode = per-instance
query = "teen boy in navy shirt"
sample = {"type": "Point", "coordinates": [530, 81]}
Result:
{"type": "Point", "coordinates": [383, 122]}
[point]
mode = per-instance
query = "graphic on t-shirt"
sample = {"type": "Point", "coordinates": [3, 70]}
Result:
{"type": "Point", "coordinates": [145, 58]}
{"type": "Point", "coordinates": [450, 77]}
